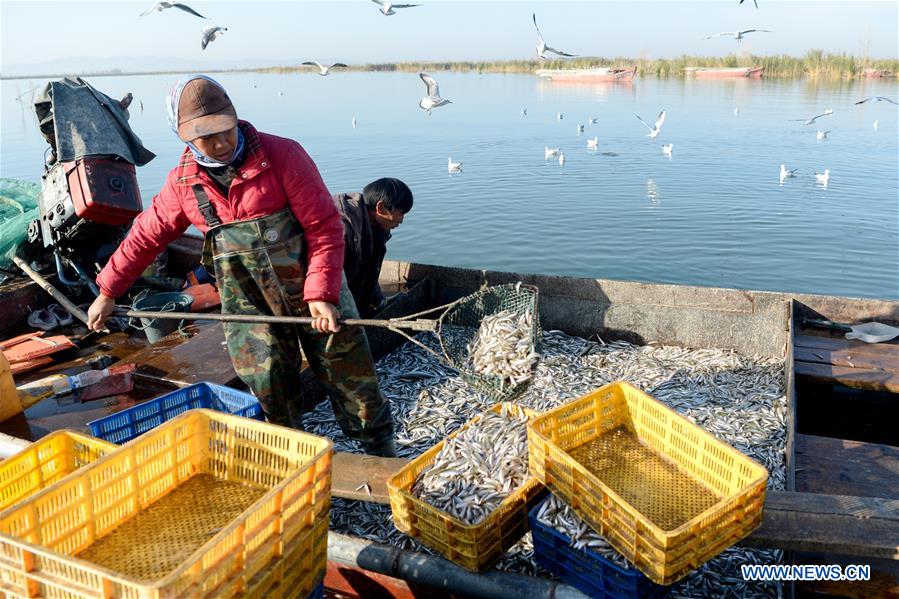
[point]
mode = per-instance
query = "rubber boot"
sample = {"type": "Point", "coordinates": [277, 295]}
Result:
{"type": "Point", "coordinates": [385, 449]}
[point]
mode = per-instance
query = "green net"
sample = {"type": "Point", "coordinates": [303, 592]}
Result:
{"type": "Point", "coordinates": [18, 207]}
{"type": "Point", "coordinates": [464, 325]}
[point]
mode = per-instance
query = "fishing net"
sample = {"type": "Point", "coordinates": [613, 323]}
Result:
{"type": "Point", "coordinates": [459, 328]}
{"type": "Point", "coordinates": [18, 207]}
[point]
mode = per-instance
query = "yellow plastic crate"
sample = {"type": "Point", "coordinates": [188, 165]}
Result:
{"type": "Point", "coordinates": [204, 505]}
{"type": "Point", "coordinates": [46, 461]}
{"type": "Point", "coordinates": [664, 492]}
{"type": "Point", "coordinates": [475, 547]}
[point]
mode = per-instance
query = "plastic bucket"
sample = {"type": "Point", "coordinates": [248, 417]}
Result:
{"type": "Point", "coordinates": [170, 301]}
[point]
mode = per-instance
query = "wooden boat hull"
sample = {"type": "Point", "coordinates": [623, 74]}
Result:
{"type": "Point", "coordinates": [735, 73]}
{"type": "Point", "coordinates": [602, 75]}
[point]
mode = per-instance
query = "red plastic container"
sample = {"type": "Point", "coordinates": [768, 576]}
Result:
{"type": "Point", "coordinates": [104, 190]}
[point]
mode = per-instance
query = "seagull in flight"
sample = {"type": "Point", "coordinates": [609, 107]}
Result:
{"type": "Point", "coordinates": [784, 173]}
{"type": "Point", "coordinates": [387, 7]}
{"type": "Point", "coordinates": [580, 129]}
{"type": "Point", "coordinates": [549, 152]}
{"type": "Point", "coordinates": [562, 159]}
{"type": "Point", "coordinates": [524, 112]}
{"type": "Point", "coordinates": [655, 129]}
{"type": "Point", "coordinates": [823, 178]}
{"type": "Point", "coordinates": [821, 135]}
{"type": "Point", "coordinates": [753, 1]}
{"type": "Point", "coordinates": [810, 121]}
{"type": "Point", "coordinates": [738, 35]}
{"type": "Point", "coordinates": [876, 125]}
{"type": "Point", "coordinates": [592, 120]}
{"type": "Point", "coordinates": [323, 70]}
{"type": "Point", "coordinates": [877, 99]}
{"type": "Point", "coordinates": [209, 34]}
{"type": "Point", "coordinates": [161, 6]}
{"type": "Point", "coordinates": [542, 48]}
{"type": "Point", "coordinates": [453, 167]}
{"type": "Point", "coordinates": [433, 99]}
{"type": "Point", "coordinates": [668, 150]}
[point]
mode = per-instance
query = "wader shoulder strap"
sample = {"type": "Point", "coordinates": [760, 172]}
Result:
{"type": "Point", "coordinates": [206, 208]}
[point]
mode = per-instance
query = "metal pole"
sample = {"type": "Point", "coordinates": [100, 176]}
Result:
{"type": "Point", "coordinates": [440, 573]}
{"type": "Point", "coordinates": [45, 284]}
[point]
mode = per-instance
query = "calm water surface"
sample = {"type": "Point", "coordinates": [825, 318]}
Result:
{"type": "Point", "coordinates": [714, 214]}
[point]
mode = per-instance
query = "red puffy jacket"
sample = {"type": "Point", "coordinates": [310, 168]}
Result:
{"type": "Point", "coordinates": [276, 173]}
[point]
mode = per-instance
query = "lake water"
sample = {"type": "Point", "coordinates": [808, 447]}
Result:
{"type": "Point", "coordinates": [713, 214]}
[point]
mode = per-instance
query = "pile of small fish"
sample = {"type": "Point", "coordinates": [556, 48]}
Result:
{"type": "Point", "coordinates": [478, 468]}
{"type": "Point", "coordinates": [557, 514]}
{"type": "Point", "coordinates": [739, 399]}
{"type": "Point", "coordinates": [503, 347]}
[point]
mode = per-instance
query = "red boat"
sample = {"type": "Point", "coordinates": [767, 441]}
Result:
{"type": "Point", "coordinates": [592, 75]}
{"type": "Point", "coordinates": [725, 73]}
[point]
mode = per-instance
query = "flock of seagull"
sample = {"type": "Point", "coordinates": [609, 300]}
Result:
{"type": "Point", "coordinates": [433, 99]}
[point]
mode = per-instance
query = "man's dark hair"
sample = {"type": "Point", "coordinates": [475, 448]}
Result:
{"type": "Point", "coordinates": [395, 194]}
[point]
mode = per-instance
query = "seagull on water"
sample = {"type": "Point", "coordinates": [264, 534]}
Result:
{"type": "Point", "coordinates": [453, 167]}
{"type": "Point", "coordinates": [542, 48]}
{"type": "Point", "coordinates": [433, 99]}
{"type": "Point", "coordinates": [876, 124]}
{"type": "Point", "coordinates": [655, 129]}
{"type": "Point", "coordinates": [668, 150]}
{"type": "Point", "coordinates": [580, 129]}
{"type": "Point", "coordinates": [323, 70]}
{"type": "Point", "coordinates": [592, 144]}
{"type": "Point", "coordinates": [387, 8]}
{"type": "Point", "coordinates": [209, 34]}
{"type": "Point", "coordinates": [823, 179]}
{"type": "Point", "coordinates": [738, 35]}
{"type": "Point", "coordinates": [821, 135]}
{"type": "Point", "coordinates": [876, 99]}
{"type": "Point", "coordinates": [784, 173]}
{"type": "Point", "coordinates": [161, 6]}
{"type": "Point", "coordinates": [810, 121]}
{"type": "Point", "coordinates": [562, 159]}
{"type": "Point", "coordinates": [549, 152]}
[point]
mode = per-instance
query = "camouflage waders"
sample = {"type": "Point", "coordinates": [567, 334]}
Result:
{"type": "Point", "coordinates": [260, 268]}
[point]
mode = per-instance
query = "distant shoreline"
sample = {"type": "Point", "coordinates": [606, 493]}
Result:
{"type": "Point", "coordinates": [816, 64]}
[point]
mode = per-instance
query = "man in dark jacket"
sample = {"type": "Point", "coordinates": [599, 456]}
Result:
{"type": "Point", "coordinates": [368, 219]}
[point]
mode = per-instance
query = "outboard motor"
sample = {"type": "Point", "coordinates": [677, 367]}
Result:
{"type": "Point", "coordinates": [89, 194]}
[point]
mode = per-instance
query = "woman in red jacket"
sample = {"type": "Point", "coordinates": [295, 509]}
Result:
{"type": "Point", "coordinates": [275, 243]}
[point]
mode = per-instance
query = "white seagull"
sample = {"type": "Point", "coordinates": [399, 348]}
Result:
{"type": "Point", "coordinates": [875, 124]}
{"type": "Point", "coordinates": [453, 167]}
{"type": "Point", "coordinates": [323, 70]}
{"type": "Point", "coordinates": [549, 152]}
{"type": "Point", "coordinates": [387, 7]}
{"type": "Point", "coordinates": [784, 173]}
{"type": "Point", "coordinates": [562, 159]}
{"type": "Point", "coordinates": [559, 116]}
{"type": "Point", "coordinates": [736, 112]}
{"type": "Point", "coordinates": [876, 99]}
{"type": "Point", "coordinates": [433, 99]}
{"type": "Point", "coordinates": [823, 179]}
{"type": "Point", "coordinates": [542, 48]}
{"type": "Point", "coordinates": [668, 149]}
{"type": "Point", "coordinates": [592, 120]}
{"type": "Point", "coordinates": [738, 35]}
{"type": "Point", "coordinates": [592, 144]}
{"type": "Point", "coordinates": [524, 112]}
{"type": "Point", "coordinates": [657, 128]}
{"type": "Point", "coordinates": [209, 34]}
{"type": "Point", "coordinates": [580, 129]}
{"type": "Point", "coordinates": [753, 1]}
{"type": "Point", "coordinates": [161, 6]}
{"type": "Point", "coordinates": [810, 121]}
{"type": "Point", "coordinates": [821, 135]}
{"type": "Point", "coordinates": [354, 122]}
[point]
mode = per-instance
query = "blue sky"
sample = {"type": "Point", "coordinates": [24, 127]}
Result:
{"type": "Point", "coordinates": [354, 31]}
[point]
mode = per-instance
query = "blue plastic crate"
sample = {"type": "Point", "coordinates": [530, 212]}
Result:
{"type": "Point", "coordinates": [133, 422]}
{"type": "Point", "coordinates": [318, 592]}
{"type": "Point", "coordinates": [587, 571]}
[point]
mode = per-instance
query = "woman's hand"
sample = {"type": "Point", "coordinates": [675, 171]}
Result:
{"type": "Point", "coordinates": [99, 312]}
{"type": "Point", "coordinates": [324, 317]}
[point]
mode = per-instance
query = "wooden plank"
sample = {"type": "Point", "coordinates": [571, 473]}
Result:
{"type": "Point", "coordinates": [843, 467]}
{"type": "Point", "coordinates": [889, 349]}
{"type": "Point", "coordinates": [351, 472]}
{"type": "Point", "coordinates": [847, 358]}
{"type": "Point", "coordinates": [884, 582]}
{"type": "Point", "coordinates": [838, 524]}
{"type": "Point", "coordinates": [858, 378]}
{"type": "Point", "coordinates": [182, 362]}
